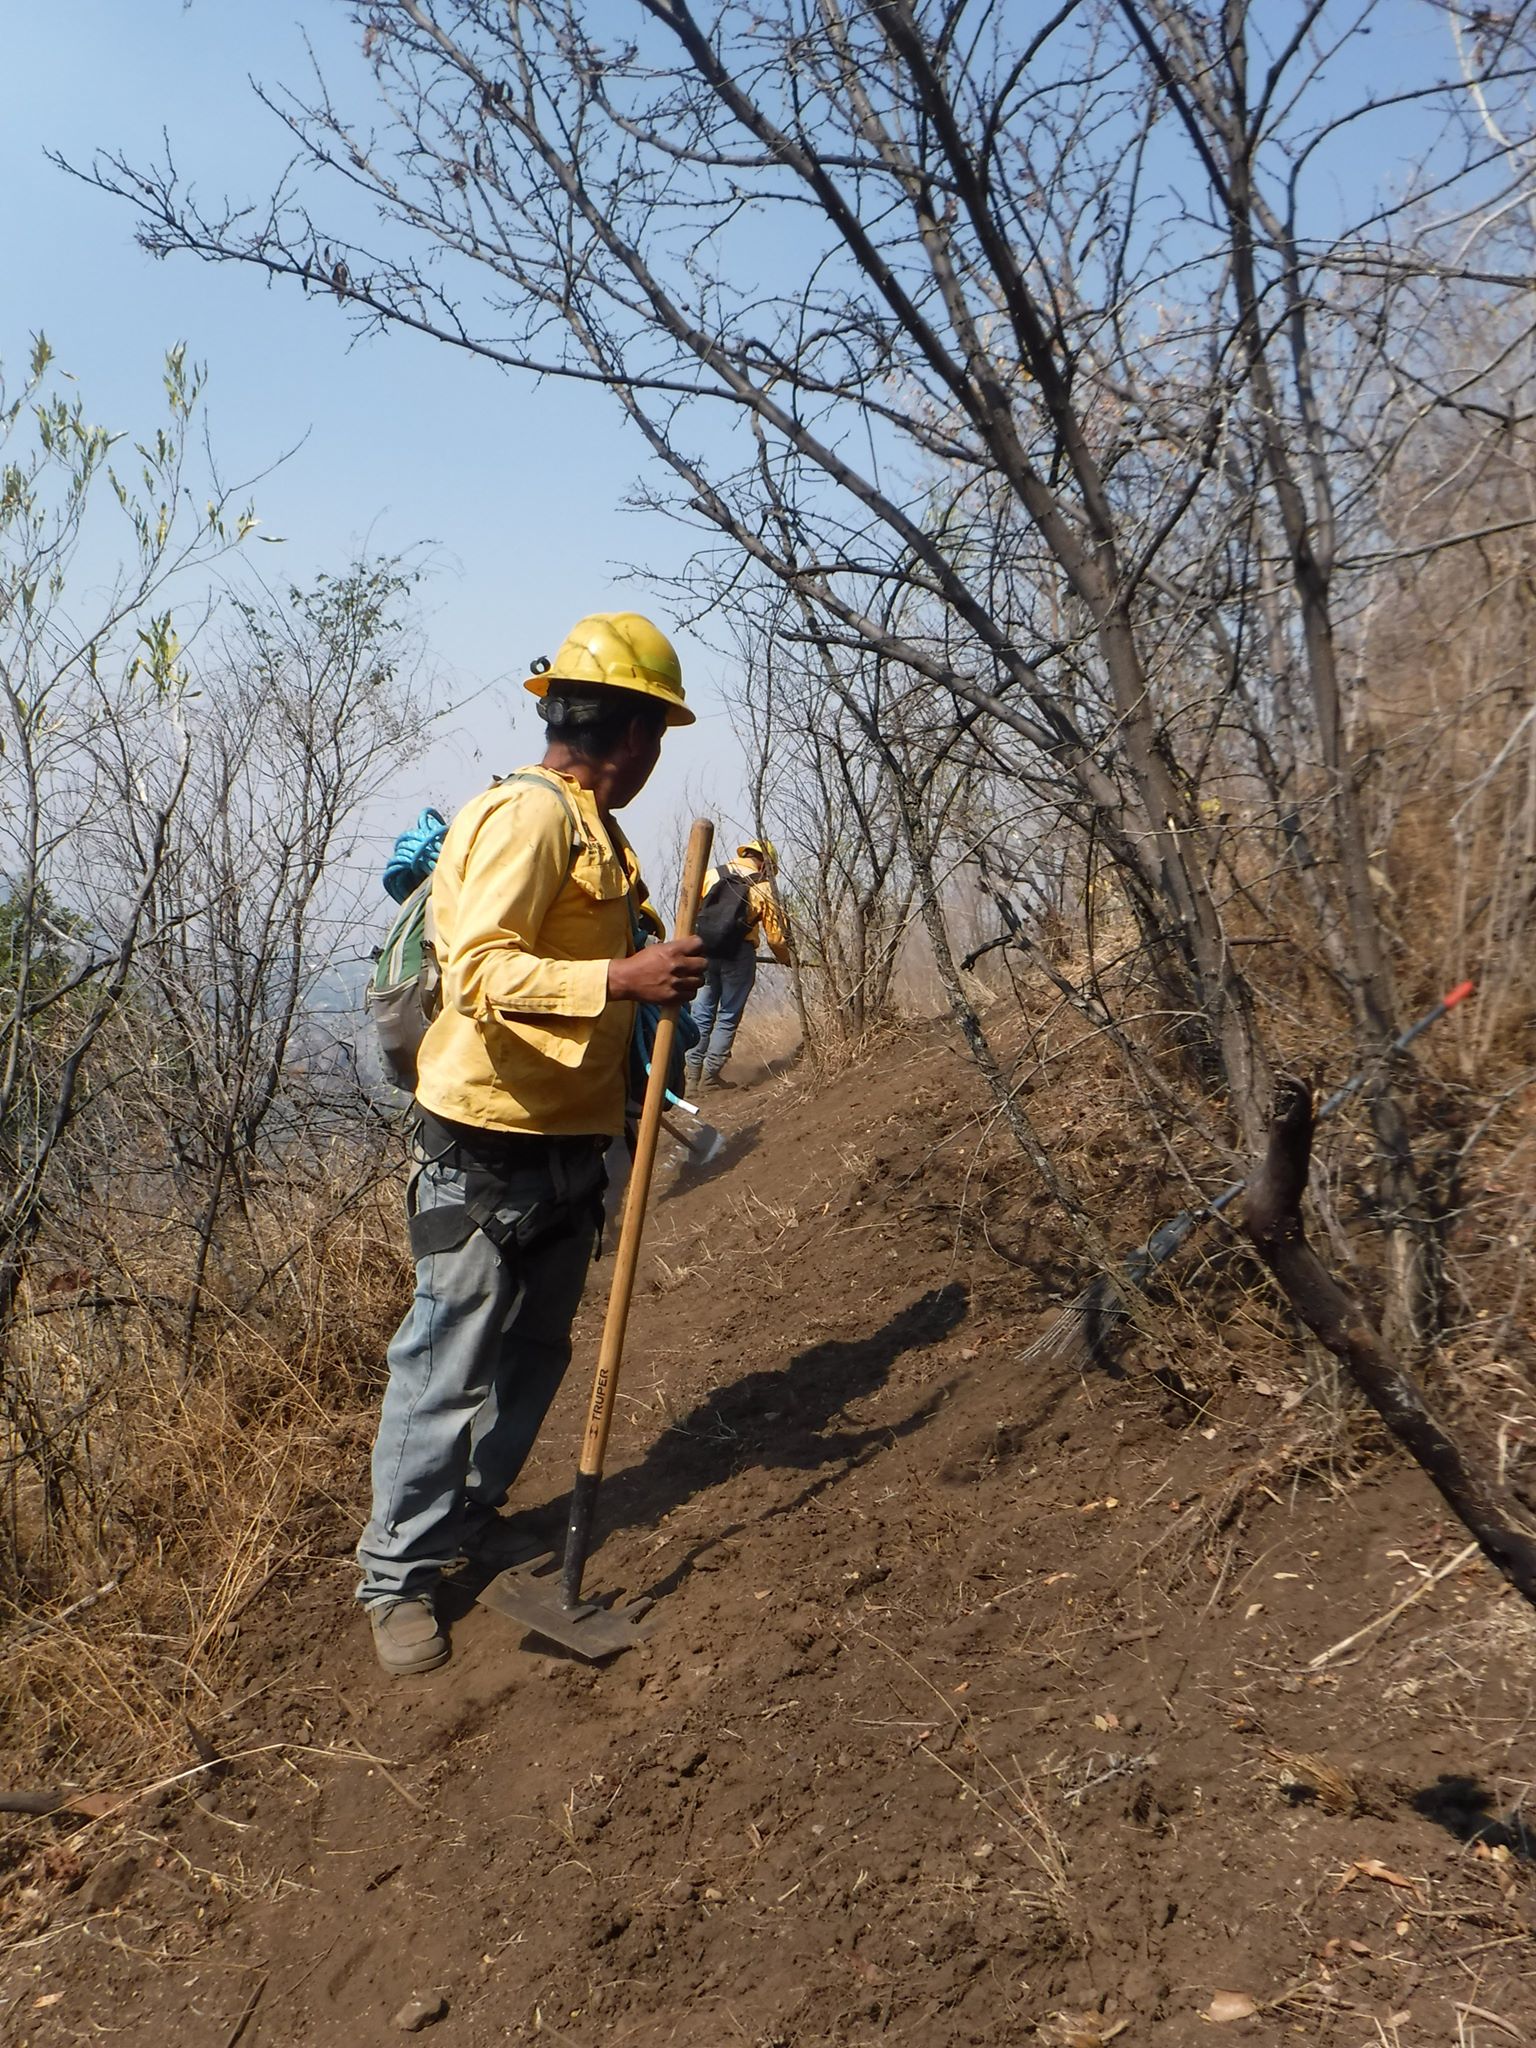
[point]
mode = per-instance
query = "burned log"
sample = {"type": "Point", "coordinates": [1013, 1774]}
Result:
{"type": "Point", "coordinates": [1272, 1214]}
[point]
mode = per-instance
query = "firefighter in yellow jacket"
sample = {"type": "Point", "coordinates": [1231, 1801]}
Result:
{"type": "Point", "coordinates": [732, 970]}
{"type": "Point", "coordinates": [521, 1088]}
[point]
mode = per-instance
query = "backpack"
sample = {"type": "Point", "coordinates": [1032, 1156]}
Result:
{"type": "Point", "coordinates": [405, 991]}
{"type": "Point", "coordinates": [724, 916]}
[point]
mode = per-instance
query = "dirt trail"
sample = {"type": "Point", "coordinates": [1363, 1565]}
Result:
{"type": "Point", "coordinates": [978, 1707]}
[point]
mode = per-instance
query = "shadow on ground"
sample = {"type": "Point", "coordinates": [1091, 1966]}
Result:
{"type": "Point", "coordinates": [685, 1174]}
{"type": "Point", "coordinates": [776, 1421]}
{"type": "Point", "coordinates": [780, 1420]}
{"type": "Point", "coordinates": [1464, 1807]}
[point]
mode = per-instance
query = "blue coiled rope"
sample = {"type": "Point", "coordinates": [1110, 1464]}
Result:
{"type": "Point", "coordinates": [415, 855]}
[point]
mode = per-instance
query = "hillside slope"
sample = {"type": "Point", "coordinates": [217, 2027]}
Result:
{"type": "Point", "coordinates": [978, 1699]}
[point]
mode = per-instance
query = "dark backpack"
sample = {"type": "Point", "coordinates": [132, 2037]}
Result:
{"type": "Point", "coordinates": [724, 916]}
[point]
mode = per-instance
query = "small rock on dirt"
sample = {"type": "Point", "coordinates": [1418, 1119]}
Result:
{"type": "Point", "coordinates": [419, 2012]}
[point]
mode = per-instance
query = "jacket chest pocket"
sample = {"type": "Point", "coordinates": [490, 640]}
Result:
{"type": "Point", "coordinates": [599, 873]}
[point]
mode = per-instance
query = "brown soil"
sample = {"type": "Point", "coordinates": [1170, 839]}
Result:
{"type": "Point", "coordinates": [977, 1707]}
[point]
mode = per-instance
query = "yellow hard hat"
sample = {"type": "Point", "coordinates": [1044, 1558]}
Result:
{"type": "Point", "coordinates": [624, 651]}
{"type": "Point", "coordinates": [764, 847]}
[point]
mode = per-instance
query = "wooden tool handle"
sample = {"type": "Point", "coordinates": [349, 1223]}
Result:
{"type": "Point", "coordinates": [605, 1383]}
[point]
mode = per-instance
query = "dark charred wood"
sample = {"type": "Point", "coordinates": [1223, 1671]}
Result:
{"type": "Point", "coordinates": [1272, 1213]}
{"type": "Point", "coordinates": [38, 1802]}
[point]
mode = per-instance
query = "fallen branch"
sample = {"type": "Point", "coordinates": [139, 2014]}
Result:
{"type": "Point", "coordinates": [1088, 1327]}
{"type": "Point", "coordinates": [44, 1622]}
{"type": "Point", "coordinates": [87, 1805]}
{"type": "Point", "coordinates": [1272, 1213]}
{"type": "Point", "coordinates": [1383, 1621]}
{"type": "Point", "coordinates": [245, 2017]}
{"type": "Point", "coordinates": [102, 1805]}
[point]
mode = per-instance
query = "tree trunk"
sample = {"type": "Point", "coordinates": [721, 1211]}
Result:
{"type": "Point", "coordinates": [1272, 1212]}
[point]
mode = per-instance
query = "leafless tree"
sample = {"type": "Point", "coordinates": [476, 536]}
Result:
{"type": "Point", "coordinates": [85, 691]}
{"type": "Point", "coordinates": [83, 695]}
{"type": "Point", "coordinates": [830, 798]}
{"type": "Point", "coordinates": [182, 773]}
{"type": "Point", "coordinates": [1048, 362]}
{"type": "Point", "coordinates": [307, 709]}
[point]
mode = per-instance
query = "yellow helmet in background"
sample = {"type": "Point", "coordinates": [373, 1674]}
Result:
{"type": "Point", "coordinates": [765, 850]}
{"type": "Point", "coordinates": [623, 651]}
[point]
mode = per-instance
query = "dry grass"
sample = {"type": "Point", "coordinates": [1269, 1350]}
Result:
{"type": "Point", "coordinates": [186, 1486]}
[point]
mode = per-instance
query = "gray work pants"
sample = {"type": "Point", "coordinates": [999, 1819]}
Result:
{"type": "Point", "coordinates": [476, 1363]}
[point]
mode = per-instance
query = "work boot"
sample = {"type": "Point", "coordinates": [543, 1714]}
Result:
{"type": "Point", "coordinates": [693, 1077]}
{"type": "Point", "coordinates": [718, 1080]}
{"type": "Point", "coordinates": [406, 1637]}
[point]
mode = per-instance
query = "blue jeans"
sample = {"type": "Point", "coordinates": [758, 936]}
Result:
{"type": "Point", "coordinates": [472, 1369]}
{"type": "Point", "coordinates": [718, 1006]}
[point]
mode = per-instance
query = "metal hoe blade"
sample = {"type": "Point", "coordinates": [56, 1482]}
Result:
{"type": "Point", "coordinates": [530, 1594]}
{"type": "Point", "coordinates": [702, 1144]}
{"type": "Point", "coordinates": [705, 1145]}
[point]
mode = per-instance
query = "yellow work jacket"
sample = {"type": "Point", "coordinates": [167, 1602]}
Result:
{"type": "Point", "coordinates": [525, 924]}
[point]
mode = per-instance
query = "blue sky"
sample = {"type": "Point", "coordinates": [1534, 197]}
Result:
{"type": "Point", "coordinates": [514, 490]}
